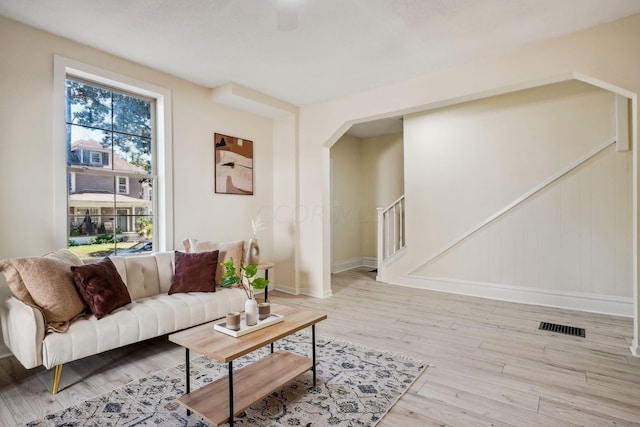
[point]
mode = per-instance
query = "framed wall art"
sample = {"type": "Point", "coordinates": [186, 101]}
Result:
{"type": "Point", "coordinates": [233, 165]}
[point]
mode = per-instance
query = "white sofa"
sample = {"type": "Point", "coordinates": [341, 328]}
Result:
{"type": "Point", "coordinates": [152, 313]}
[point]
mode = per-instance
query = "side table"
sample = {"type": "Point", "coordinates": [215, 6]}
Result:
{"type": "Point", "coordinates": [266, 266]}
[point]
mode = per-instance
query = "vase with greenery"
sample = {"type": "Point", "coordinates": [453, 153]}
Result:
{"type": "Point", "coordinates": [246, 280]}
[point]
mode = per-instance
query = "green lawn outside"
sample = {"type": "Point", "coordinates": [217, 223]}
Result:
{"type": "Point", "coordinates": [104, 249]}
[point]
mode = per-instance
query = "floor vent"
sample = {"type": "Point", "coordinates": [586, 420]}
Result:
{"type": "Point", "coordinates": [562, 329]}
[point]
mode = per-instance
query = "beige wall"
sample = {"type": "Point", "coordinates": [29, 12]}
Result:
{"type": "Point", "coordinates": [383, 183]}
{"type": "Point", "coordinates": [346, 195]}
{"type": "Point", "coordinates": [365, 174]}
{"type": "Point", "coordinates": [465, 163]}
{"type": "Point", "coordinates": [26, 128]}
{"type": "Point", "coordinates": [469, 162]}
{"type": "Point", "coordinates": [285, 203]}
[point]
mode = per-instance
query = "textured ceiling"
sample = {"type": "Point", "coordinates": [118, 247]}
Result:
{"type": "Point", "coordinates": [339, 46]}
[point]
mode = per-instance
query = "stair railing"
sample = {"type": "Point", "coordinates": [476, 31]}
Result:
{"type": "Point", "coordinates": [391, 238]}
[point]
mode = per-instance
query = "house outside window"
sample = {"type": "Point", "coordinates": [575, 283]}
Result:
{"type": "Point", "coordinates": [110, 166]}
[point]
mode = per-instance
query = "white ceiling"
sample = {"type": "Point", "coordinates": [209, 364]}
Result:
{"type": "Point", "coordinates": [339, 46]}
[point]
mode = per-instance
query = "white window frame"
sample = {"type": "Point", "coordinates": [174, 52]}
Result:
{"type": "Point", "coordinates": [126, 185]}
{"type": "Point", "coordinates": [93, 154]}
{"type": "Point", "coordinates": [63, 67]}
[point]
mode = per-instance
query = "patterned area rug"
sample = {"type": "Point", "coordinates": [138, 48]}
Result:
{"type": "Point", "coordinates": [356, 386]}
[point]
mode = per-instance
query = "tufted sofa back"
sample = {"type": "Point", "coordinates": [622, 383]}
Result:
{"type": "Point", "coordinates": [146, 275]}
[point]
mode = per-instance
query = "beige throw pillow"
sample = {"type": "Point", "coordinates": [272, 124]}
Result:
{"type": "Point", "coordinates": [46, 282]}
{"type": "Point", "coordinates": [226, 251]}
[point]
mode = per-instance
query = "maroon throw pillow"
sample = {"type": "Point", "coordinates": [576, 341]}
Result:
{"type": "Point", "coordinates": [195, 272]}
{"type": "Point", "coordinates": [101, 287]}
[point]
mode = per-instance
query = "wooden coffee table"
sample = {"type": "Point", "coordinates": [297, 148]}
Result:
{"type": "Point", "coordinates": [219, 401]}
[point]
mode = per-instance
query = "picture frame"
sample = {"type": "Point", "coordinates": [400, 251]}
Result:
{"type": "Point", "coordinates": [233, 163]}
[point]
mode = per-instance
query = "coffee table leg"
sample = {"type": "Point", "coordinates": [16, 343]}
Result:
{"type": "Point", "coordinates": [230, 393]}
{"type": "Point", "coordinates": [313, 345]}
{"type": "Point", "coordinates": [187, 374]}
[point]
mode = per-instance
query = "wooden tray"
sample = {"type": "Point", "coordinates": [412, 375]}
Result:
{"type": "Point", "coordinates": [244, 329]}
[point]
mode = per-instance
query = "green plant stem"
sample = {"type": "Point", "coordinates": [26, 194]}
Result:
{"type": "Point", "coordinates": [246, 288]}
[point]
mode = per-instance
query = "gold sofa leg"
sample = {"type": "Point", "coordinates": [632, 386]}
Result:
{"type": "Point", "coordinates": [57, 374]}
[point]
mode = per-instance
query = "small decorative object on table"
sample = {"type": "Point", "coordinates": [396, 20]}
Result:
{"type": "Point", "coordinates": [244, 329]}
{"type": "Point", "coordinates": [253, 249]}
{"type": "Point", "coordinates": [264, 310]}
{"type": "Point", "coordinates": [248, 283]}
{"type": "Point", "coordinates": [251, 311]}
{"type": "Point", "coordinates": [233, 321]}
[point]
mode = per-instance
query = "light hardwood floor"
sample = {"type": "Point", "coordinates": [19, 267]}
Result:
{"type": "Point", "coordinates": [489, 365]}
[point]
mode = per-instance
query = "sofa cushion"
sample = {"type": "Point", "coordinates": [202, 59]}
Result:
{"type": "Point", "coordinates": [47, 283]}
{"type": "Point", "coordinates": [101, 287]}
{"type": "Point", "coordinates": [227, 250]}
{"type": "Point", "coordinates": [195, 272]}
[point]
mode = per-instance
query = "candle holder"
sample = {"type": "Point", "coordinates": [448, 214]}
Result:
{"type": "Point", "coordinates": [264, 310]}
{"type": "Point", "coordinates": [233, 321]}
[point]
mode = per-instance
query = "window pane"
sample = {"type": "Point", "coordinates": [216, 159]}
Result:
{"type": "Point", "coordinates": [88, 105]}
{"type": "Point", "coordinates": [83, 142]}
{"type": "Point", "coordinates": [103, 222]}
{"type": "Point", "coordinates": [131, 115]}
{"type": "Point", "coordinates": [132, 153]}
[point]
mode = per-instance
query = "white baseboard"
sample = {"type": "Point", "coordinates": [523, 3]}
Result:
{"type": "Point", "coordinates": [635, 348]}
{"type": "Point", "coordinates": [349, 264]}
{"type": "Point", "coordinates": [319, 295]}
{"type": "Point", "coordinates": [595, 303]}
{"type": "Point", "coordinates": [370, 262]}
{"type": "Point", "coordinates": [292, 291]}
{"type": "Point", "coordinates": [287, 290]}
{"type": "Point", "coordinates": [345, 265]}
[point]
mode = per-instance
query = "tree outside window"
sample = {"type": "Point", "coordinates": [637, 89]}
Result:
{"type": "Point", "coordinates": [110, 167]}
